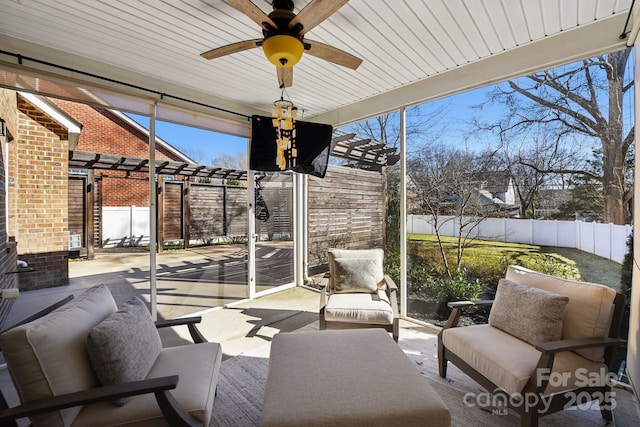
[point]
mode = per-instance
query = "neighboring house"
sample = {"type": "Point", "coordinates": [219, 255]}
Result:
{"type": "Point", "coordinates": [496, 186]}
{"type": "Point", "coordinates": [43, 194]}
{"type": "Point", "coordinates": [493, 191]}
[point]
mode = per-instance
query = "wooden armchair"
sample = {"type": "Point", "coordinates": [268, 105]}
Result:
{"type": "Point", "coordinates": [53, 360]}
{"type": "Point", "coordinates": [360, 294]}
{"type": "Point", "coordinates": [548, 346]}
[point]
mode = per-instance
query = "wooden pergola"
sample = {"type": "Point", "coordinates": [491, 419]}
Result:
{"type": "Point", "coordinates": [359, 152]}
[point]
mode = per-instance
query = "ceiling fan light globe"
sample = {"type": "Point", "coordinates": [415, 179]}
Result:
{"type": "Point", "coordinates": [283, 51]}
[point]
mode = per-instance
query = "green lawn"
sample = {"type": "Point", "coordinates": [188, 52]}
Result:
{"type": "Point", "coordinates": [488, 260]}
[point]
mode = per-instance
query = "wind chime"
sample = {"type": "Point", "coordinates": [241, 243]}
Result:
{"type": "Point", "coordinates": [284, 121]}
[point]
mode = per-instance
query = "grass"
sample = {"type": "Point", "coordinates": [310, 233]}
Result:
{"type": "Point", "coordinates": [488, 260]}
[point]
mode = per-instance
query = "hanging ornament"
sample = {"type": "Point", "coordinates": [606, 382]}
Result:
{"type": "Point", "coordinates": [284, 122]}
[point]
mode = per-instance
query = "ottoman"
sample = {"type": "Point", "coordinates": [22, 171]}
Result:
{"type": "Point", "coordinates": [356, 377]}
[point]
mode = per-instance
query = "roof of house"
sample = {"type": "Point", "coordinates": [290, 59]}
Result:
{"type": "Point", "coordinates": [495, 182]}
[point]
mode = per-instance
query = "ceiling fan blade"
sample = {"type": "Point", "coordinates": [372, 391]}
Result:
{"type": "Point", "coordinates": [332, 54]}
{"type": "Point", "coordinates": [230, 48]}
{"type": "Point", "coordinates": [316, 12]}
{"type": "Point", "coordinates": [285, 76]}
{"type": "Point", "coordinates": [254, 12]}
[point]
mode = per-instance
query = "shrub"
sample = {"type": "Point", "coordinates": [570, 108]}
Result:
{"type": "Point", "coordinates": [460, 287]}
{"type": "Point", "coordinates": [549, 264]}
{"type": "Point", "coordinates": [627, 267]}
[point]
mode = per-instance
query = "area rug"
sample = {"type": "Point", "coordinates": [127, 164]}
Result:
{"type": "Point", "coordinates": [242, 379]}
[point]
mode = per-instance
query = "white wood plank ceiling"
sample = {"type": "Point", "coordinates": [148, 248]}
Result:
{"type": "Point", "coordinates": [412, 50]}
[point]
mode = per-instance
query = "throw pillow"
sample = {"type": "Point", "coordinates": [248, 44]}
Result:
{"type": "Point", "coordinates": [531, 314]}
{"type": "Point", "coordinates": [124, 346]}
{"type": "Point", "coordinates": [356, 275]}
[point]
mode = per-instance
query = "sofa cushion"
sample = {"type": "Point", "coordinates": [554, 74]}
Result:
{"type": "Point", "coordinates": [359, 308]}
{"type": "Point", "coordinates": [509, 362]}
{"type": "Point", "coordinates": [124, 346]}
{"type": "Point", "coordinates": [198, 368]}
{"type": "Point", "coordinates": [376, 255]}
{"type": "Point", "coordinates": [531, 314]}
{"type": "Point", "coordinates": [48, 357]}
{"type": "Point", "coordinates": [588, 313]}
{"type": "Point", "coordinates": [356, 275]}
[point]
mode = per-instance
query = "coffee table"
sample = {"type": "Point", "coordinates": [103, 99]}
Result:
{"type": "Point", "coordinates": [354, 377]}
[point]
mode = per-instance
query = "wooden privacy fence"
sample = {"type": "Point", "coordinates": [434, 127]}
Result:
{"type": "Point", "coordinates": [345, 210]}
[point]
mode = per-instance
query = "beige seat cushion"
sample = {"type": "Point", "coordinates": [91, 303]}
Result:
{"type": "Point", "coordinates": [48, 357]}
{"type": "Point", "coordinates": [359, 308]}
{"type": "Point", "coordinates": [198, 366]}
{"type": "Point", "coordinates": [509, 362]}
{"type": "Point", "coordinates": [588, 313]}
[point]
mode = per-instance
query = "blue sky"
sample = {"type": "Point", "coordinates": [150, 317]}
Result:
{"type": "Point", "coordinates": [201, 145]}
{"type": "Point", "coordinates": [204, 146]}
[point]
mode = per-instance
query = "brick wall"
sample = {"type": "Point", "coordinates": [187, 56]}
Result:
{"type": "Point", "coordinates": [38, 200]}
{"type": "Point", "coordinates": [8, 253]}
{"type": "Point", "coordinates": [105, 132]}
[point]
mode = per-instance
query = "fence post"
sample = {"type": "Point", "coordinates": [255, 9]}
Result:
{"type": "Point", "coordinates": [531, 240]}
{"type": "Point", "coordinates": [132, 216]}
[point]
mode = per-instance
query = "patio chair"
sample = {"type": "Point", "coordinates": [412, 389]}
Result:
{"type": "Point", "coordinates": [87, 363]}
{"type": "Point", "coordinates": [360, 294]}
{"type": "Point", "coordinates": [548, 346]}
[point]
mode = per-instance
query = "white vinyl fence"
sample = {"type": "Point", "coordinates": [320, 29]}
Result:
{"type": "Point", "coordinates": [125, 226]}
{"type": "Point", "coordinates": [605, 240]}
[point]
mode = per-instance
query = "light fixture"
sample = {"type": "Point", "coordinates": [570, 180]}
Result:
{"type": "Point", "coordinates": [284, 123]}
{"type": "Point", "coordinates": [283, 50]}
{"type": "Point", "coordinates": [3, 130]}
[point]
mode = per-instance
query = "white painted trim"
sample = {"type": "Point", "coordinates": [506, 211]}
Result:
{"type": "Point", "coordinates": [72, 125]}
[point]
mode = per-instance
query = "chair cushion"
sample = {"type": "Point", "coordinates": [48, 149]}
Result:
{"type": "Point", "coordinates": [124, 346]}
{"type": "Point", "coordinates": [509, 362]}
{"type": "Point", "coordinates": [376, 255]}
{"type": "Point", "coordinates": [359, 308]}
{"type": "Point", "coordinates": [588, 313]}
{"type": "Point", "coordinates": [531, 314]}
{"type": "Point", "coordinates": [48, 357]}
{"type": "Point", "coordinates": [198, 368]}
{"type": "Point", "coordinates": [356, 275]}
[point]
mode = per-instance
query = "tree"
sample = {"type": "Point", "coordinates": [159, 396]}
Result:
{"type": "Point", "coordinates": [441, 178]}
{"type": "Point", "coordinates": [585, 99]}
{"type": "Point", "coordinates": [586, 193]}
{"type": "Point", "coordinates": [229, 161]}
{"type": "Point", "coordinates": [529, 163]}
{"type": "Point", "coordinates": [423, 124]}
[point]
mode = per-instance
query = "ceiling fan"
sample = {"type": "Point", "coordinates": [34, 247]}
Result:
{"type": "Point", "coordinates": [283, 42]}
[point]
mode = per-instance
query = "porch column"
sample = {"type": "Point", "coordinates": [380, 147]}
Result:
{"type": "Point", "coordinates": [153, 217]}
{"type": "Point", "coordinates": [251, 228]}
{"type": "Point", "coordinates": [403, 212]}
{"type": "Point", "coordinates": [633, 359]}
{"type": "Point", "coordinates": [299, 229]}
